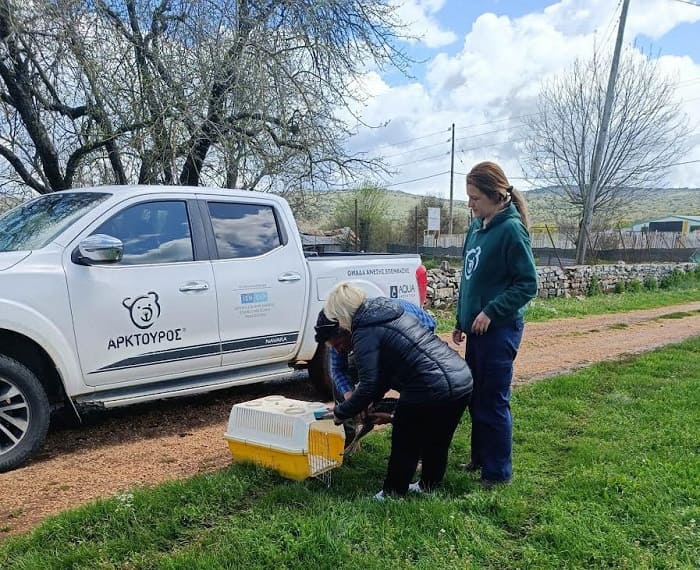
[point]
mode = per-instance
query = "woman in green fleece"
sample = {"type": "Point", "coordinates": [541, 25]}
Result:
{"type": "Point", "coordinates": [498, 280]}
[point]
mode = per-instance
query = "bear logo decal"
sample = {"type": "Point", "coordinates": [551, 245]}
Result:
{"type": "Point", "coordinates": [143, 310]}
{"type": "Point", "coordinates": [471, 261]}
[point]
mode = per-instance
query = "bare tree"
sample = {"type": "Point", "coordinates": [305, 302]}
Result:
{"type": "Point", "coordinates": [246, 93]}
{"type": "Point", "coordinates": [647, 133]}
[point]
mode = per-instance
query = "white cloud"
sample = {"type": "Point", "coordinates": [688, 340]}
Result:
{"type": "Point", "coordinates": [495, 78]}
{"type": "Point", "coordinates": [418, 16]}
{"type": "Point", "coordinates": [655, 18]}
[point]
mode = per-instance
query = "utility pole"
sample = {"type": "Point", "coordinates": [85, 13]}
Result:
{"type": "Point", "coordinates": [587, 221]}
{"type": "Point", "coordinates": [452, 177]}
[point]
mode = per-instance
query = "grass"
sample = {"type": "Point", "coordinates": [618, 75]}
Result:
{"type": "Point", "coordinates": [685, 291]}
{"type": "Point", "coordinates": [607, 464]}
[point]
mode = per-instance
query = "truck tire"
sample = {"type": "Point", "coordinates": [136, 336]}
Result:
{"type": "Point", "coordinates": [320, 373]}
{"type": "Point", "coordinates": [24, 414]}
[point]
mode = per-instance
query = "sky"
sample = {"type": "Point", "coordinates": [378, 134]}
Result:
{"type": "Point", "coordinates": [481, 66]}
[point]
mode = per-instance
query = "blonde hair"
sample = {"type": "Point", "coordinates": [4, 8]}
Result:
{"type": "Point", "coordinates": [343, 302]}
{"type": "Point", "coordinates": [490, 179]}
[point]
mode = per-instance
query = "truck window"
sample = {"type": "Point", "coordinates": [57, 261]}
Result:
{"type": "Point", "coordinates": [37, 223]}
{"type": "Point", "coordinates": [152, 232]}
{"type": "Point", "coordinates": [243, 230]}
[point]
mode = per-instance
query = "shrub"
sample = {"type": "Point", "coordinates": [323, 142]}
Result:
{"type": "Point", "coordinates": [620, 287]}
{"type": "Point", "coordinates": [594, 287]}
{"type": "Point", "coordinates": [650, 283]}
{"type": "Point", "coordinates": [674, 279]}
{"type": "Point", "coordinates": [634, 286]}
{"type": "Point", "coordinates": [431, 263]}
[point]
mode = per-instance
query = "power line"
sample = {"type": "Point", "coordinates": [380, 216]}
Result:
{"type": "Point", "coordinates": [417, 179]}
{"type": "Point", "coordinates": [497, 121]}
{"type": "Point", "coordinates": [464, 150]}
{"type": "Point", "coordinates": [573, 177]}
{"type": "Point", "coordinates": [610, 29]}
{"type": "Point", "coordinates": [689, 3]}
{"type": "Point", "coordinates": [675, 164]}
{"type": "Point", "coordinates": [681, 84]}
{"type": "Point", "coordinates": [399, 143]}
{"type": "Point", "coordinates": [434, 156]}
{"type": "Point", "coordinates": [447, 141]}
{"type": "Point", "coordinates": [489, 132]}
{"type": "Point", "coordinates": [415, 149]}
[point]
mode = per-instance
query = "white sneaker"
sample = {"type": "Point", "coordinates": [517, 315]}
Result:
{"type": "Point", "coordinates": [379, 496]}
{"type": "Point", "coordinates": [415, 488]}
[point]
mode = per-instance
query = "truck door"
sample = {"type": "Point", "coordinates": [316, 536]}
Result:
{"type": "Point", "coordinates": [154, 314]}
{"type": "Point", "coordinates": [261, 281]}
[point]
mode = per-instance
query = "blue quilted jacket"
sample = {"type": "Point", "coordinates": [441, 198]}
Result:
{"type": "Point", "coordinates": [394, 351]}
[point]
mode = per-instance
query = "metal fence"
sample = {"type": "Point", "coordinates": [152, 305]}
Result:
{"type": "Point", "coordinates": [558, 248]}
{"type": "Point", "coordinates": [608, 239]}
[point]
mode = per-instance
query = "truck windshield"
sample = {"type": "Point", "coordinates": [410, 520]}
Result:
{"type": "Point", "coordinates": [38, 222]}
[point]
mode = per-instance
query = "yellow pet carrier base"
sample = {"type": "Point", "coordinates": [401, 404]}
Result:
{"type": "Point", "coordinates": [284, 435]}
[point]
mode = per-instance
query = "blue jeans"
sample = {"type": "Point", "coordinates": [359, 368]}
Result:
{"type": "Point", "coordinates": [490, 357]}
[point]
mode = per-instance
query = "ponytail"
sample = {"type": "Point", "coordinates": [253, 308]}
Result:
{"type": "Point", "coordinates": [519, 202]}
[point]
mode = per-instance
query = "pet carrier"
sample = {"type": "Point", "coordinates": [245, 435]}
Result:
{"type": "Point", "coordinates": [284, 435]}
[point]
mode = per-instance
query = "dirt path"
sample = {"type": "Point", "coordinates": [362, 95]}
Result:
{"type": "Point", "coordinates": [146, 445]}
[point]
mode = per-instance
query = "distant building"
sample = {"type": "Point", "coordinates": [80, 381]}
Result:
{"type": "Point", "coordinates": [675, 224]}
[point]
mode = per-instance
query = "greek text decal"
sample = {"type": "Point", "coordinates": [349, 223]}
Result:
{"type": "Point", "coordinates": [144, 338]}
{"type": "Point", "coordinates": [378, 271]}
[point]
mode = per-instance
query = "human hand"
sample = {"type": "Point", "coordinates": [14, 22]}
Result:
{"type": "Point", "coordinates": [457, 336]}
{"type": "Point", "coordinates": [347, 395]}
{"type": "Point", "coordinates": [481, 323]}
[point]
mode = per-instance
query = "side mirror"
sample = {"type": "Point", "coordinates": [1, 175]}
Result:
{"type": "Point", "coordinates": [98, 248]}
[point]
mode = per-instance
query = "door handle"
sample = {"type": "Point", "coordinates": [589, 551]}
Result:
{"type": "Point", "coordinates": [287, 277]}
{"type": "Point", "coordinates": [194, 286]}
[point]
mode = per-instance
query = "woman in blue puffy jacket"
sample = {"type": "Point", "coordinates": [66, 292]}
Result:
{"type": "Point", "coordinates": [394, 351]}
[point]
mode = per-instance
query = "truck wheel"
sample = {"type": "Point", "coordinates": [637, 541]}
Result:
{"type": "Point", "coordinates": [24, 414]}
{"type": "Point", "coordinates": [320, 373]}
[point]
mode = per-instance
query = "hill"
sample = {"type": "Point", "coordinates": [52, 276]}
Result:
{"type": "Point", "coordinates": [652, 203]}
{"type": "Point", "coordinates": [316, 209]}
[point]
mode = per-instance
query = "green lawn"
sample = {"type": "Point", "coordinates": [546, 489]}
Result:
{"type": "Point", "coordinates": [607, 475]}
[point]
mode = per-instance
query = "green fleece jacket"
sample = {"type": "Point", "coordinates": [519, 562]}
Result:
{"type": "Point", "coordinates": [499, 274]}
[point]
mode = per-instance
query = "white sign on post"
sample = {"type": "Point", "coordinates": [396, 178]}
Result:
{"type": "Point", "coordinates": [433, 219]}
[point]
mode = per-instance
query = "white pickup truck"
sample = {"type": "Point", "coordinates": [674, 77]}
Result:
{"type": "Point", "coordinates": [115, 295]}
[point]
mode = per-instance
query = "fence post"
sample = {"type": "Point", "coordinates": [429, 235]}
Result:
{"type": "Point", "coordinates": [415, 218]}
{"type": "Point", "coordinates": [554, 246]}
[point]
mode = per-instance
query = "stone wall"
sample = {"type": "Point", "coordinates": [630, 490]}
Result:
{"type": "Point", "coordinates": [554, 281]}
